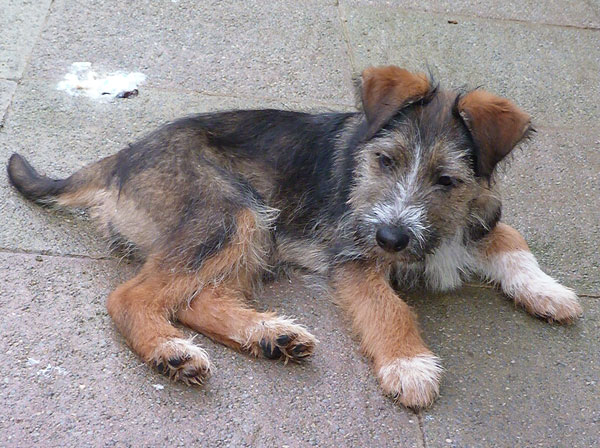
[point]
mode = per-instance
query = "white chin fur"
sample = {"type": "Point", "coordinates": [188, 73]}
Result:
{"type": "Point", "coordinates": [449, 265]}
{"type": "Point", "coordinates": [446, 269]}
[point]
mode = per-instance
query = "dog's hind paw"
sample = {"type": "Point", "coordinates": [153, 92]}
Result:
{"type": "Point", "coordinates": [280, 338]}
{"type": "Point", "coordinates": [413, 381]}
{"type": "Point", "coordinates": [181, 360]}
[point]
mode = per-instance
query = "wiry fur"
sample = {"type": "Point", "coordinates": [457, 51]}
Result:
{"type": "Point", "coordinates": [215, 202]}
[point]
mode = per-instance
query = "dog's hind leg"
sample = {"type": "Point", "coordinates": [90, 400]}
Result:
{"type": "Point", "coordinates": [141, 309]}
{"type": "Point", "coordinates": [507, 261]}
{"type": "Point", "coordinates": [219, 309]}
{"type": "Point", "coordinates": [222, 313]}
{"type": "Point", "coordinates": [207, 297]}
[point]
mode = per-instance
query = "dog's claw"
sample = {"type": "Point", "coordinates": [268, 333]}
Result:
{"type": "Point", "coordinates": [298, 349]}
{"type": "Point", "coordinates": [175, 362]}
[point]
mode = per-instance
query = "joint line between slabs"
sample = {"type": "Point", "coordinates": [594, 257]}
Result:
{"type": "Point", "coordinates": [464, 15]}
{"type": "Point", "coordinates": [422, 429]}
{"type": "Point", "coordinates": [45, 253]}
{"type": "Point", "coordinates": [346, 35]}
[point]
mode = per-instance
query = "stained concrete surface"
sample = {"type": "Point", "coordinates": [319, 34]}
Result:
{"type": "Point", "coordinates": [72, 378]}
{"type": "Point", "coordinates": [7, 89]}
{"type": "Point", "coordinates": [67, 377]}
{"type": "Point", "coordinates": [540, 67]}
{"type": "Point", "coordinates": [20, 24]}
{"type": "Point", "coordinates": [582, 14]}
{"type": "Point", "coordinates": [226, 47]}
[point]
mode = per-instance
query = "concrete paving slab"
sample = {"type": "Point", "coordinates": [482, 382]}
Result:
{"type": "Point", "coordinates": [20, 25]}
{"type": "Point", "coordinates": [7, 88]}
{"type": "Point", "coordinates": [60, 134]}
{"type": "Point", "coordinates": [579, 13]}
{"type": "Point", "coordinates": [510, 379]}
{"type": "Point", "coordinates": [68, 379]}
{"type": "Point", "coordinates": [295, 50]}
{"type": "Point", "coordinates": [551, 192]}
{"type": "Point", "coordinates": [552, 72]}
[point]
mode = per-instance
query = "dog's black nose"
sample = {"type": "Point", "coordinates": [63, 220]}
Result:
{"type": "Point", "coordinates": [392, 239]}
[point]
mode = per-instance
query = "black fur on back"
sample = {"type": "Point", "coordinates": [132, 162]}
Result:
{"type": "Point", "coordinates": [299, 147]}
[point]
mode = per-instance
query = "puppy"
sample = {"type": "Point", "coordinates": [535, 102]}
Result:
{"type": "Point", "coordinates": [403, 189]}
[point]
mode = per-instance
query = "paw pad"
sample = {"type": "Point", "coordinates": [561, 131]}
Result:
{"type": "Point", "coordinates": [287, 346]}
{"type": "Point", "coordinates": [183, 361]}
{"type": "Point", "coordinates": [269, 350]}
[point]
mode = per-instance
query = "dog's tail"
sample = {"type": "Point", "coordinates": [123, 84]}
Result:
{"type": "Point", "coordinates": [72, 191]}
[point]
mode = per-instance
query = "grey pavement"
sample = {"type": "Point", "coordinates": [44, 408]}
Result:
{"type": "Point", "coordinates": [66, 376]}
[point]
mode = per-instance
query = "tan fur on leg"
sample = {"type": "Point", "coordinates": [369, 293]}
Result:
{"type": "Point", "coordinates": [222, 314]}
{"type": "Point", "coordinates": [389, 334]}
{"type": "Point", "coordinates": [508, 262]}
{"type": "Point", "coordinates": [142, 307]}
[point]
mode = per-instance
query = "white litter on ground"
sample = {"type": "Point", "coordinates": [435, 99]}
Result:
{"type": "Point", "coordinates": [32, 362]}
{"type": "Point", "coordinates": [81, 80]}
{"type": "Point", "coordinates": [49, 370]}
{"type": "Point", "coordinates": [158, 386]}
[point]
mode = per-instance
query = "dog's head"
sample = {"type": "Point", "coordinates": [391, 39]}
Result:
{"type": "Point", "coordinates": [425, 162]}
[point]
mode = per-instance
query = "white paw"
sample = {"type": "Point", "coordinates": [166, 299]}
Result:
{"type": "Point", "coordinates": [413, 381]}
{"type": "Point", "coordinates": [522, 279]}
{"type": "Point", "coordinates": [551, 300]}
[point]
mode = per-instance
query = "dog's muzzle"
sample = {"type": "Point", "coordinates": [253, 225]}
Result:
{"type": "Point", "coordinates": [392, 238]}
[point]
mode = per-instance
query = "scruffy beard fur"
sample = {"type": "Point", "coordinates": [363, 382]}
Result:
{"type": "Point", "coordinates": [214, 202]}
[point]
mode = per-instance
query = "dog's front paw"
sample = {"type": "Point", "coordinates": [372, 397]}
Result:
{"type": "Point", "coordinates": [521, 278]}
{"type": "Point", "coordinates": [413, 381]}
{"type": "Point", "coordinates": [181, 360]}
{"type": "Point", "coordinates": [550, 300]}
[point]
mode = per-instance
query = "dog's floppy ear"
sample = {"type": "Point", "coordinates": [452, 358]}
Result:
{"type": "Point", "coordinates": [386, 90]}
{"type": "Point", "coordinates": [496, 126]}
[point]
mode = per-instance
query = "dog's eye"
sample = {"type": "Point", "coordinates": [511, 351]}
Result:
{"type": "Point", "coordinates": [385, 161]}
{"type": "Point", "coordinates": [446, 181]}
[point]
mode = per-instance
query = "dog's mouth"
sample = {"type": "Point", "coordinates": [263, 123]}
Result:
{"type": "Point", "coordinates": [410, 258]}
{"type": "Point", "coordinates": [406, 256]}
